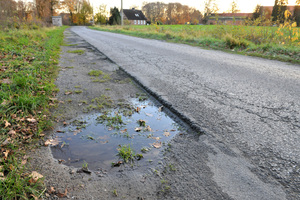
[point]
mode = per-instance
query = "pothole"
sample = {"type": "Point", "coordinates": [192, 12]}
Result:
{"type": "Point", "coordinates": [97, 139]}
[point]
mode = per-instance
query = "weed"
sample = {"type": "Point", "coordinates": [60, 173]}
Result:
{"type": "Point", "coordinates": [84, 165]}
{"type": "Point", "coordinates": [70, 67]}
{"type": "Point", "coordinates": [115, 122]}
{"type": "Point", "coordinates": [107, 89]}
{"type": "Point", "coordinates": [145, 149]}
{"type": "Point", "coordinates": [103, 101]}
{"type": "Point", "coordinates": [139, 156]}
{"type": "Point", "coordinates": [95, 73]}
{"type": "Point", "coordinates": [172, 167]}
{"type": "Point", "coordinates": [69, 100]}
{"type": "Point", "coordinates": [77, 86]}
{"type": "Point", "coordinates": [115, 193]}
{"type": "Point", "coordinates": [83, 101]}
{"type": "Point", "coordinates": [80, 52]}
{"type": "Point", "coordinates": [126, 153]}
{"type": "Point", "coordinates": [78, 91]}
{"type": "Point", "coordinates": [141, 96]}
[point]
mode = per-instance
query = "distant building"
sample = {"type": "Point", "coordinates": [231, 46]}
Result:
{"type": "Point", "coordinates": [229, 18]}
{"type": "Point", "coordinates": [134, 17]}
{"type": "Point", "coordinates": [57, 20]}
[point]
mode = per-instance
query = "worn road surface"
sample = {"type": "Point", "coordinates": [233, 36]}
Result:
{"type": "Point", "coordinates": [247, 107]}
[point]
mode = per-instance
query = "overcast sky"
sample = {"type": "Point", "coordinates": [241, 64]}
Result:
{"type": "Point", "coordinates": [224, 5]}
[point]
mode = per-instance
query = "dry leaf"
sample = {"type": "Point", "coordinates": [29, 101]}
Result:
{"type": "Point", "coordinates": [6, 81]}
{"type": "Point", "coordinates": [160, 108]}
{"type": "Point", "coordinates": [138, 129]}
{"type": "Point", "coordinates": [65, 123]}
{"type": "Point", "coordinates": [52, 142]}
{"type": "Point", "coordinates": [4, 102]}
{"type": "Point", "coordinates": [155, 138]}
{"type": "Point", "coordinates": [6, 124]}
{"type": "Point", "coordinates": [172, 130]}
{"type": "Point", "coordinates": [104, 142]}
{"type": "Point", "coordinates": [138, 109]}
{"type": "Point", "coordinates": [53, 99]}
{"type": "Point", "coordinates": [11, 132]}
{"type": "Point", "coordinates": [63, 144]}
{"type": "Point", "coordinates": [6, 142]}
{"type": "Point", "coordinates": [167, 134]}
{"type": "Point", "coordinates": [77, 131]}
{"type": "Point", "coordinates": [1, 174]}
{"type": "Point", "coordinates": [35, 197]}
{"type": "Point", "coordinates": [35, 176]}
{"type": "Point", "coordinates": [149, 115]}
{"type": "Point", "coordinates": [32, 120]}
{"type": "Point", "coordinates": [24, 162]}
{"type": "Point", "coordinates": [6, 154]}
{"type": "Point", "coordinates": [124, 131]}
{"type": "Point", "coordinates": [61, 195]}
{"type": "Point", "coordinates": [148, 128]}
{"type": "Point", "coordinates": [51, 190]}
{"type": "Point", "coordinates": [67, 93]}
{"type": "Point", "coordinates": [157, 144]}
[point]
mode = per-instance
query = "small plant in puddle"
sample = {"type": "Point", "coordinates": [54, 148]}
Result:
{"type": "Point", "coordinates": [141, 96]}
{"type": "Point", "coordinates": [80, 52]}
{"type": "Point", "coordinates": [103, 101]}
{"type": "Point", "coordinates": [142, 122]}
{"type": "Point", "coordinates": [95, 73]}
{"type": "Point", "coordinates": [172, 167]}
{"type": "Point", "coordinates": [145, 150]}
{"type": "Point", "coordinates": [85, 165]}
{"type": "Point", "coordinates": [114, 122]}
{"type": "Point", "coordinates": [139, 156]}
{"type": "Point", "coordinates": [126, 153]}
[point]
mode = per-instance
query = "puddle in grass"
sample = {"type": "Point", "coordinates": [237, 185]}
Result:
{"type": "Point", "coordinates": [93, 140]}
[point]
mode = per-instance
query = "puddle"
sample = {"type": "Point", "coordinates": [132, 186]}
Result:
{"type": "Point", "coordinates": [95, 138]}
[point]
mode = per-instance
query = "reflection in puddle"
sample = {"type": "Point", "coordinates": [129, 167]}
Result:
{"type": "Point", "coordinates": [95, 138]}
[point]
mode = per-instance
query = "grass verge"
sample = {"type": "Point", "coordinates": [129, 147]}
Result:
{"type": "Point", "coordinates": [277, 43]}
{"type": "Point", "coordinates": [28, 65]}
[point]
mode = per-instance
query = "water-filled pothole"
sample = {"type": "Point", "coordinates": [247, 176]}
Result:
{"type": "Point", "coordinates": [96, 138]}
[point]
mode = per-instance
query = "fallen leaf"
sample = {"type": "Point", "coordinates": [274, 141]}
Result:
{"type": "Point", "coordinates": [4, 102]}
{"type": "Point", "coordinates": [53, 99]}
{"type": "Point", "coordinates": [35, 197]}
{"type": "Point", "coordinates": [160, 108]}
{"type": "Point", "coordinates": [65, 123]}
{"type": "Point", "coordinates": [1, 174]}
{"type": "Point", "coordinates": [67, 93]}
{"type": "Point", "coordinates": [138, 109]}
{"type": "Point", "coordinates": [6, 154]}
{"type": "Point", "coordinates": [11, 132]}
{"type": "Point", "coordinates": [138, 129]}
{"type": "Point", "coordinates": [104, 142]}
{"type": "Point", "coordinates": [6, 142]}
{"type": "Point", "coordinates": [6, 124]}
{"type": "Point", "coordinates": [35, 176]}
{"type": "Point", "coordinates": [157, 144]}
{"type": "Point", "coordinates": [155, 138]}
{"type": "Point", "coordinates": [76, 132]}
{"type": "Point", "coordinates": [148, 128]}
{"type": "Point", "coordinates": [32, 120]}
{"type": "Point", "coordinates": [167, 134]}
{"type": "Point", "coordinates": [104, 137]}
{"type": "Point", "coordinates": [6, 81]}
{"type": "Point", "coordinates": [143, 106]}
{"type": "Point", "coordinates": [61, 195]}
{"type": "Point", "coordinates": [59, 131]}
{"type": "Point", "coordinates": [149, 115]}
{"type": "Point", "coordinates": [52, 142]}
{"type": "Point", "coordinates": [172, 130]}
{"type": "Point", "coordinates": [51, 190]}
{"type": "Point", "coordinates": [110, 129]}
{"type": "Point", "coordinates": [118, 164]}
{"type": "Point", "coordinates": [63, 144]}
{"type": "Point", "coordinates": [124, 131]}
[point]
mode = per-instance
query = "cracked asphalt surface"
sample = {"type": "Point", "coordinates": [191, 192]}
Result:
{"type": "Point", "coordinates": [248, 109]}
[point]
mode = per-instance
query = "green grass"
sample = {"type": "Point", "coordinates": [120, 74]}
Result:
{"type": "Point", "coordinates": [126, 153]}
{"type": "Point", "coordinates": [262, 41]}
{"type": "Point", "coordinates": [29, 61]}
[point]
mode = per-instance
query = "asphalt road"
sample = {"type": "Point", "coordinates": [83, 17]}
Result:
{"type": "Point", "coordinates": [248, 105]}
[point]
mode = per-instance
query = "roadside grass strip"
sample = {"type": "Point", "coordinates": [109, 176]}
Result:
{"type": "Point", "coordinates": [28, 68]}
{"type": "Point", "coordinates": [277, 43]}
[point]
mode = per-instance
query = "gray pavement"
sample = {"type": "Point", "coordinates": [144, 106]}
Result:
{"type": "Point", "coordinates": [248, 108]}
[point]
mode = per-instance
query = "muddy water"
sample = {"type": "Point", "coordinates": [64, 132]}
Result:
{"type": "Point", "coordinates": [94, 141]}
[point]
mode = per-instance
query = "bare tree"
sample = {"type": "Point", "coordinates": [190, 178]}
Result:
{"type": "Point", "coordinates": [234, 7]}
{"type": "Point", "coordinates": [210, 7]}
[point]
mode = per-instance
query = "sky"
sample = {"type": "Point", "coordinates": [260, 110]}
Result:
{"type": "Point", "coordinates": [224, 5]}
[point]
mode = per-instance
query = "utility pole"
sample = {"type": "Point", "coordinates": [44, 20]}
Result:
{"type": "Point", "coordinates": [122, 23]}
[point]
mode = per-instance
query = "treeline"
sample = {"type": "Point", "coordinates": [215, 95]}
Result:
{"type": "Point", "coordinates": [172, 13]}
{"type": "Point", "coordinates": [15, 14]}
